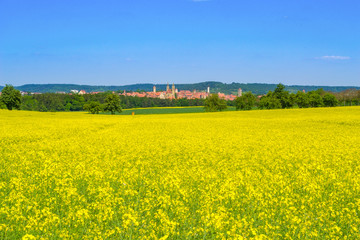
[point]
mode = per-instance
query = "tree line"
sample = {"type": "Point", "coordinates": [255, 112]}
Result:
{"type": "Point", "coordinates": [280, 98]}
{"type": "Point", "coordinates": [95, 103]}
{"type": "Point", "coordinates": [55, 102]}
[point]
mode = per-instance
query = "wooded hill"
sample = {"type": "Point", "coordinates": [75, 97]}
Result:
{"type": "Point", "coordinates": [255, 88]}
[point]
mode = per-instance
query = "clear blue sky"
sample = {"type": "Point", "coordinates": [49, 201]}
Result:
{"type": "Point", "coordinates": [117, 42]}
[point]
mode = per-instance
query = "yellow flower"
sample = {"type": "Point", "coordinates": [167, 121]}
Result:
{"type": "Point", "coordinates": [28, 237]}
{"type": "Point", "coordinates": [277, 174]}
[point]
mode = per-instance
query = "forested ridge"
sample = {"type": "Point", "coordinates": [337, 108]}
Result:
{"type": "Point", "coordinates": [227, 88]}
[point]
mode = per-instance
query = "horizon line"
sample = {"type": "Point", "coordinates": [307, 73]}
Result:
{"type": "Point", "coordinates": [155, 84]}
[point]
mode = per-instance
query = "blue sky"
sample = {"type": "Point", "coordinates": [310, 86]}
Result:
{"type": "Point", "coordinates": [108, 42]}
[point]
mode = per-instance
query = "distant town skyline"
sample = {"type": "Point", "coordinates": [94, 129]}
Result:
{"type": "Point", "coordinates": [95, 42]}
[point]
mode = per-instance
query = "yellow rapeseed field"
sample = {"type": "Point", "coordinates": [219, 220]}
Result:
{"type": "Point", "coordinates": [276, 174]}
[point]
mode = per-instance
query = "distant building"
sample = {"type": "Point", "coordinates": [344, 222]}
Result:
{"type": "Point", "coordinates": [173, 90]}
{"type": "Point", "coordinates": [74, 91]}
{"type": "Point", "coordinates": [239, 92]}
{"type": "Point", "coordinates": [81, 92]}
{"type": "Point", "coordinates": [175, 93]}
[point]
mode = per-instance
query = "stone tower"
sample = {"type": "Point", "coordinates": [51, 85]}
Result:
{"type": "Point", "coordinates": [173, 89]}
{"type": "Point", "coordinates": [239, 92]}
{"type": "Point", "coordinates": [154, 89]}
{"type": "Point", "coordinates": [167, 87]}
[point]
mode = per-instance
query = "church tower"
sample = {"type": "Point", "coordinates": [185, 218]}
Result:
{"type": "Point", "coordinates": [173, 90]}
{"type": "Point", "coordinates": [167, 87]}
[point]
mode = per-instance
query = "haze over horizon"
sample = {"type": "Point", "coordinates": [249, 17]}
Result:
{"type": "Point", "coordinates": [182, 41]}
{"type": "Point", "coordinates": [163, 84]}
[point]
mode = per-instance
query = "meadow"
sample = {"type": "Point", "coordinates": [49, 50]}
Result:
{"type": "Point", "coordinates": [270, 174]}
{"type": "Point", "coordinates": [161, 110]}
{"type": "Point", "coordinates": [165, 110]}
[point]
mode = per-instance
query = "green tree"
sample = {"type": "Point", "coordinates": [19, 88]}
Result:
{"type": "Point", "coordinates": [29, 103]}
{"type": "Point", "coordinates": [269, 101]}
{"type": "Point", "coordinates": [68, 107]}
{"type": "Point", "coordinates": [2, 104]}
{"type": "Point", "coordinates": [11, 97]}
{"type": "Point", "coordinates": [315, 100]}
{"type": "Point", "coordinates": [245, 102]}
{"type": "Point", "coordinates": [55, 103]}
{"type": "Point", "coordinates": [302, 100]}
{"type": "Point", "coordinates": [42, 108]}
{"type": "Point", "coordinates": [213, 103]}
{"type": "Point", "coordinates": [330, 100]}
{"type": "Point", "coordinates": [93, 107]}
{"type": "Point", "coordinates": [283, 96]}
{"type": "Point", "coordinates": [112, 104]}
{"type": "Point", "coordinates": [77, 103]}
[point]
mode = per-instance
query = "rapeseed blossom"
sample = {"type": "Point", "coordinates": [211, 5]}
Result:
{"type": "Point", "coordinates": [277, 174]}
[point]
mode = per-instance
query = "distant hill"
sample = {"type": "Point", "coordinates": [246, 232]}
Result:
{"type": "Point", "coordinates": [256, 88]}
